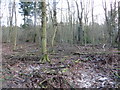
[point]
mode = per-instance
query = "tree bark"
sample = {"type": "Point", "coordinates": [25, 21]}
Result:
{"type": "Point", "coordinates": [119, 25]}
{"type": "Point", "coordinates": [106, 21]}
{"type": "Point", "coordinates": [44, 36]}
{"type": "Point", "coordinates": [93, 38]}
{"type": "Point", "coordinates": [110, 22]}
{"type": "Point", "coordinates": [80, 15]}
{"type": "Point", "coordinates": [70, 23]}
{"type": "Point", "coordinates": [11, 21]}
{"type": "Point", "coordinates": [54, 22]}
{"type": "Point", "coordinates": [15, 29]}
{"type": "Point", "coordinates": [86, 12]}
{"type": "Point", "coordinates": [35, 17]}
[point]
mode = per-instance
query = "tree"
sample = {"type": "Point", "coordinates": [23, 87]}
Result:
{"type": "Point", "coordinates": [70, 23]}
{"type": "Point", "coordinates": [0, 24]}
{"type": "Point", "coordinates": [44, 36]}
{"type": "Point", "coordinates": [0, 42]}
{"type": "Point", "coordinates": [27, 11]}
{"type": "Point", "coordinates": [119, 25]}
{"type": "Point", "coordinates": [54, 21]}
{"type": "Point", "coordinates": [36, 13]}
{"type": "Point", "coordinates": [113, 24]}
{"type": "Point", "coordinates": [86, 12]}
{"type": "Point", "coordinates": [35, 19]}
{"type": "Point", "coordinates": [106, 19]}
{"type": "Point", "coordinates": [11, 10]}
{"type": "Point", "coordinates": [92, 5]}
{"type": "Point", "coordinates": [110, 21]}
{"type": "Point", "coordinates": [80, 16]}
{"type": "Point", "coordinates": [0, 15]}
{"type": "Point", "coordinates": [15, 29]}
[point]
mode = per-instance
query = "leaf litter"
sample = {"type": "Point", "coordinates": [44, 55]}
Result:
{"type": "Point", "coordinates": [69, 69]}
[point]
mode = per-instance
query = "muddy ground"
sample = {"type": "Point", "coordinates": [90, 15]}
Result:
{"type": "Point", "coordinates": [72, 66]}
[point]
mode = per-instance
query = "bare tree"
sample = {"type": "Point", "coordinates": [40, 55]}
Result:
{"type": "Point", "coordinates": [54, 21]}
{"type": "Point", "coordinates": [0, 44]}
{"type": "Point", "coordinates": [92, 6]}
{"type": "Point", "coordinates": [44, 36]}
{"type": "Point", "coordinates": [11, 10]}
{"type": "Point", "coordinates": [119, 25]}
{"type": "Point", "coordinates": [110, 17]}
{"type": "Point", "coordinates": [74, 26]}
{"type": "Point", "coordinates": [106, 18]}
{"type": "Point", "coordinates": [113, 14]}
{"type": "Point", "coordinates": [0, 15]}
{"type": "Point", "coordinates": [86, 12]}
{"type": "Point", "coordinates": [35, 19]}
{"type": "Point", "coordinates": [80, 17]}
{"type": "Point", "coordinates": [0, 31]}
{"type": "Point", "coordinates": [70, 22]}
{"type": "Point", "coordinates": [15, 29]}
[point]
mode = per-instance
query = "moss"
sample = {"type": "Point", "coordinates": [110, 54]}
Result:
{"type": "Point", "coordinates": [45, 59]}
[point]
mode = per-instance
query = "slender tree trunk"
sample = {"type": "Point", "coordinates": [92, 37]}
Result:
{"type": "Point", "coordinates": [70, 23]}
{"type": "Point", "coordinates": [54, 22]}
{"type": "Point", "coordinates": [93, 38]}
{"type": "Point", "coordinates": [44, 36]}
{"type": "Point", "coordinates": [111, 33]}
{"type": "Point", "coordinates": [86, 12]}
{"type": "Point", "coordinates": [15, 29]}
{"type": "Point", "coordinates": [0, 24]}
{"type": "Point", "coordinates": [35, 13]}
{"type": "Point", "coordinates": [0, 44]}
{"type": "Point", "coordinates": [119, 25]}
{"type": "Point", "coordinates": [80, 16]}
{"type": "Point", "coordinates": [11, 21]}
{"type": "Point", "coordinates": [85, 30]}
{"type": "Point", "coordinates": [0, 15]}
{"type": "Point", "coordinates": [54, 34]}
{"type": "Point", "coordinates": [108, 22]}
{"type": "Point", "coordinates": [113, 23]}
{"type": "Point", "coordinates": [74, 39]}
{"type": "Point", "coordinates": [61, 25]}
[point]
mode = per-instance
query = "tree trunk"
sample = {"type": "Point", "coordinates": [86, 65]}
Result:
{"type": "Point", "coordinates": [93, 38]}
{"type": "Point", "coordinates": [35, 16]}
{"type": "Point", "coordinates": [0, 16]}
{"type": "Point", "coordinates": [61, 24]}
{"type": "Point", "coordinates": [80, 15]}
{"type": "Point", "coordinates": [70, 23]}
{"type": "Point", "coordinates": [15, 29]}
{"type": "Point", "coordinates": [110, 22]}
{"type": "Point", "coordinates": [86, 12]}
{"type": "Point", "coordinates": [118, 25]}
{"type": "Point", "coordinates": [0, 44]}
{"type": "Point", "coordinates": [11, 20]}
{"type": "Point", "coordinates": [107, 21]}
{"type": "Point", "coordinates": [54, 22]}
{"type": "Point", "coordinates": [44, 36]}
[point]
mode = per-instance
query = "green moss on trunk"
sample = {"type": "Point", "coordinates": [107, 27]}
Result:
{"type": "Point", "coordinates": [44, 36]}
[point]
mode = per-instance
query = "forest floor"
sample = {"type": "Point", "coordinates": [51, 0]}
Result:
{"type": "Point", "coordinates": [71, 66]}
